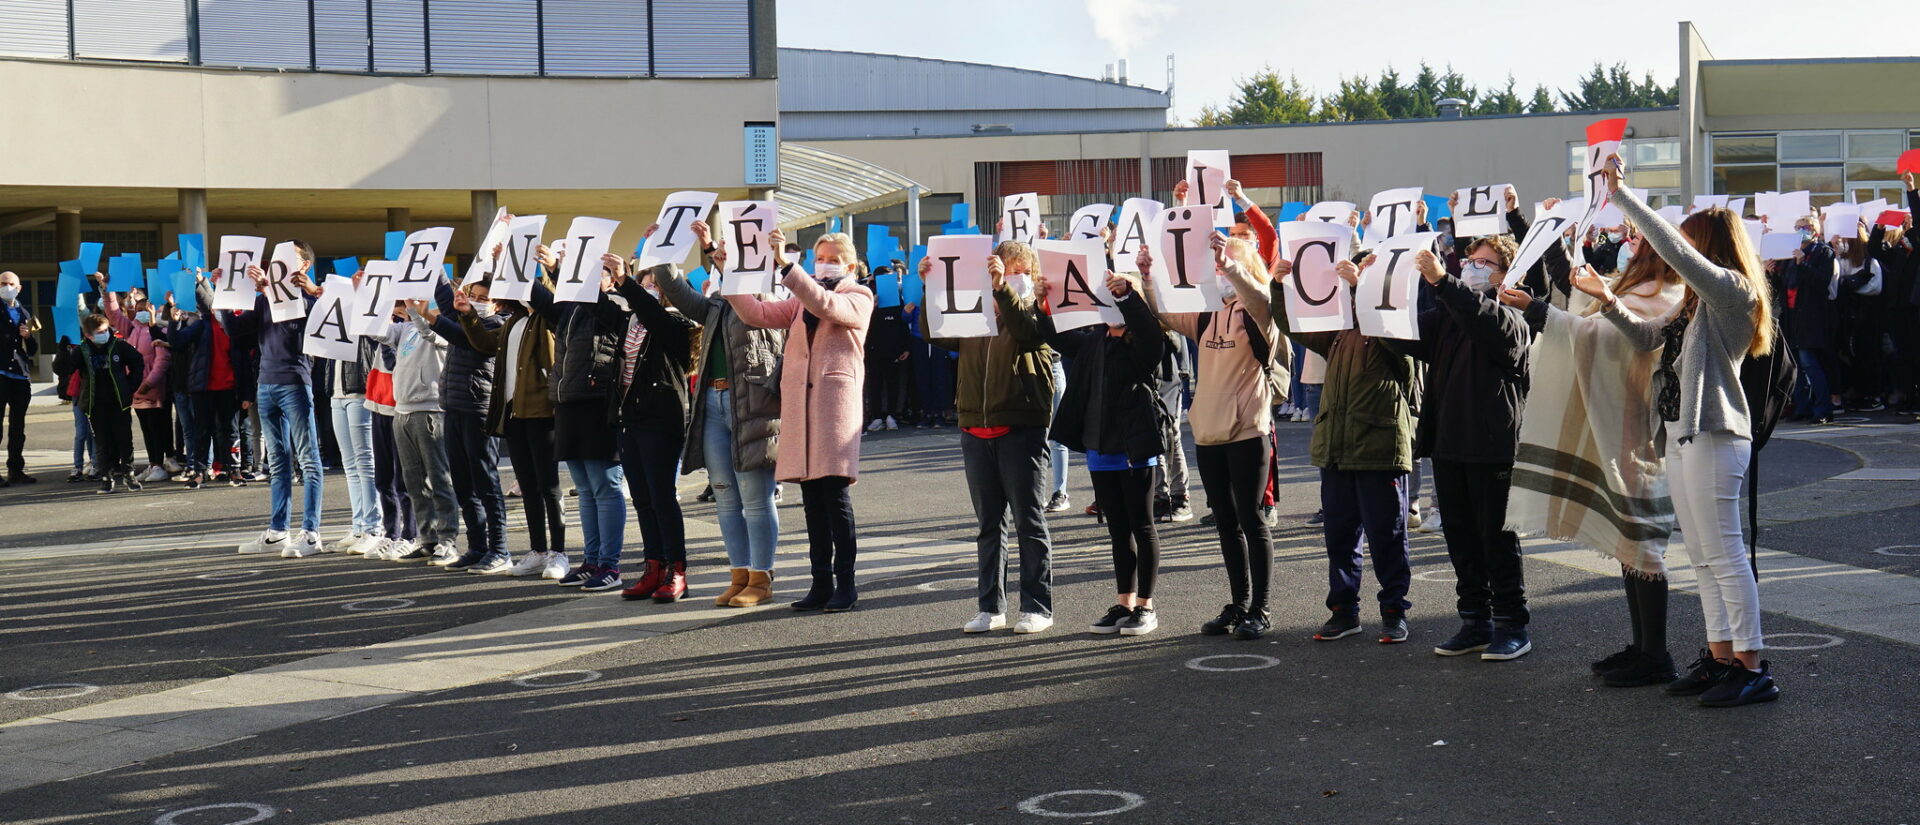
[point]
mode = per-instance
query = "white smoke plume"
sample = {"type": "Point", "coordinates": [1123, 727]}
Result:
{"type": "Point", "coordinates": [1124, 24]}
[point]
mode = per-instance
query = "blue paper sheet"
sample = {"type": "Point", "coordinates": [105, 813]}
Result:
{"type": "Point", "coordinates": [833, 225]}
{"type": "Point", "coordinates": [157, 286]}
{"type": "Point", "coordinates": [698, 278]}
{"type": "Point", "coordinates": [193, 250]}
{"type": "Point", "coordinates": [183, 295]}
{"type": "Point", "coordinates": [165, 279]}
{"type": "Point", "coordinates": [125, 272]}
{"type": "Point", "coordinates": [395, 240]}
{"type": "Point", "coordinates": [72, 284]}
{"type": "Point", "coordinates": [346, 266]}
{"type": "Point", "coordinates": [959, 214]}
{"type": "Point", "coordinates": [886, 290]}
{"type": "Point", "coordinates": [1292, 210]}
{"type": "Point", "coordinates": [90, 257]}
{"type": "Point", "coordinates": [911, 288]}
{"type": "Point", "coordinates": [66, 324]}
{"type": "Point", "coordinates": [1436, 208]}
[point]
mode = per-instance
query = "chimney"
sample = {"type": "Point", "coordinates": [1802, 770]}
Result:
{"type": "Point", "coordinates": [1106, 73]}
{"type": "Point", "coordinates": [1452, 108]}
{"type": "Point", "coordinates": [1121, 69]}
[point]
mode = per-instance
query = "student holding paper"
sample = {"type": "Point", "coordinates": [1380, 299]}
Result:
{"type": "Point", "coordinates": [214, 380]}
{"type": "Point", "coordinates": [284, 401]}
{"type": "Point", "coordinates": [520, 410]}
{"type": "Point", "coordinates": [1112, 412]}
{"type": "Point", "coordinates": [821, 377]}
{"type": "Point", "coordinates": [1813, 321]}
{"type": "Point", "coordinates": [1232, 416]}
{"type": "Point", "coordinates": [18, 346]}
{"type": "Point", "coordinates": [105, 371]}
{"type": "Point", "coordinates": [1708, 447]}
{"type": "Point", "coordinates": [1005, 400]}
{"type": "Point", "coordinates": [734, 426]}
{"type": "Point", "coordinates": [467, 395]}
{"type": "Point", "coordinates": [1476, 352]}
{"type": "Point", "coordinates": [142, 330]}
{"type": "Point", "coordinates": [1362, 444]}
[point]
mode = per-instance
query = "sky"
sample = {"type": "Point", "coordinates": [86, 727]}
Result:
{"type": "Point", "coordinates": [1214, 43]}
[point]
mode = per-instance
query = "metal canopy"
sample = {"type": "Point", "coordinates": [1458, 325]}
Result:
{"type": "Point", "coordinates": [817, 185]}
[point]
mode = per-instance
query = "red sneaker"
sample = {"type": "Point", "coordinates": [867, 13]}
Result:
{"type": "Point", "coordinates": [648, 583]}
{"type": "Point", "coordinates": [673, 586]}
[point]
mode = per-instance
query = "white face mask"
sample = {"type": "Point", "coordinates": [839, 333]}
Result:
{"type": "Point", "coordinates": [1476, 276]}
{"type": "Point", "coordinates": [9, 292]}
{"type": "Point", "coordinates": [482, 310]}
{"type": "Point", "coordinates": [828, 271]}
{"type": "Point", "coordinates": [1021, 285]}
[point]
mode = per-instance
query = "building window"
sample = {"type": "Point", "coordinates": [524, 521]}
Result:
{"type": "Point", "coordinates": [1653, 164]}
{"type": "Point", "coordinates": [1833, 165]}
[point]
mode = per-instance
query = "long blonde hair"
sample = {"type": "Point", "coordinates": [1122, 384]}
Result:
{"type": "Point", "coordinates": [1247, 255]}
{"type": "Point", "coordinates": [1719, 235]}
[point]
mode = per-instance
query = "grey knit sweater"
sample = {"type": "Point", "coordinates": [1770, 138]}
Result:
{"type": "Point", "coordinates": [1711, 399]}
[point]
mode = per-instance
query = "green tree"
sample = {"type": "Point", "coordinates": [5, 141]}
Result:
{"type": "Point", "coordinates": [1263, 98]}
{"type": "Point", "coordinates": [1357, 100]}
{"type": "Point", "coordinates": [1542, 101]}
{"type": "Point", "coordinates": [1397, 99]}
{"type": "Point", "coordinates": [1453, 85]}
{"type": "Point", "coordinates": [1614, 88]}
{"type": "Point", "coordinates": [1503, 102]}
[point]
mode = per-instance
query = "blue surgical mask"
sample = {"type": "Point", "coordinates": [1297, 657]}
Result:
{"type": "Point", "coordinates": [100, 338]}
{"type": "Point", "coordinates": [1476, 276]}
{"type": "Point", "coordinates": [143, 316]}
{"type": "Point", "coordinates": [1805, 234]}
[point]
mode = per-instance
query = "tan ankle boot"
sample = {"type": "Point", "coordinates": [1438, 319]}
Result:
{"type": "Point", "coordinates": [725, 599]}
{"type": "Point", "coordinates": [759, 589]}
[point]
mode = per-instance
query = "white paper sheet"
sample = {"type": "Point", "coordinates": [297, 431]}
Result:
{"type": "Point", "coordinates": [744, 226]}
{"type": "Point", "coordinates": [483, 260]}
{"type": "Point", "coordinates": [423, 260]}
{"type": "Point", "coordinates": [1317, 300]}
{"type": "Point", "coordinates": [1331, 212]}
{"type": "Point", "coordinates": [373, 301]}
{"type": "Point", "coordinates": [285, 301]}
{"type": "Point", "coordinates": [1480, 210]}
{"type": "Point", "coordinates": [327, 332]}
{"type": "Point", "coordinates": [674, 240]}
{"type": "Point", "coordinates": [1207, 174]}
{"type": "Point", "coordinates": [237, 252]}
{"type": "Point", "coordinates": [1394, 212]}
{"type": "Point", "coordinates": [959, 295]}
{"type": "Point", "coordinates": [1779, 246]}
{"type": "Point", "coordinates": [587, 240]}
{"type": "Point", "coordinates": [1076, 273]}
{"type": "Point", "coordinates": [518, 267]}
{"type": "Point", "coordinates": [1134, 230]}
{"type": "Point", "coordinates": [1543, 234]}
{"type": "Point", "coordinates": [1386, 301]}
{"type": "Point", "coordinates": [1020, 218]}
{"type": "Point", "coordinates": [1088, 221]}
{"type": "Point", "coordinates": [1183, 271]}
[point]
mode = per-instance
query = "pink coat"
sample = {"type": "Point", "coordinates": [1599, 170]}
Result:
{"type": "Point", "coordinates": [821, 376]}
{"type": "Point", "coordinates": [154, 354]}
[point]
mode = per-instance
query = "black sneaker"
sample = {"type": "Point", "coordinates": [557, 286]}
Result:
{"type": "Point", "coordinates": [131, 482]}
{"type": "Point", "coordinates": [467, 560]}
{"type": "Point", "coordinates": [20, 478]}
{"type": "Point", "coordinates": [1472, 638]}
{"type": "Point", "coordinates": [76, 477]}
{"type": "Point", "coordinates": [1617, 660]}
{"type": "Point", "coordinates": [1741, 686]}
{"type": "Point", "coordinates": [578, 576]}
{"type": "Point", "coordinates": [417, 554]}
{"type": "Point", "coordinates": [1059, 503]}
{"type": "Point", "coordinates": [1643, 670]}
{"type": "Point", "coordinates": [106, 486]}
{"type": "Point", "coordinates": [1208, 520]}
{"type": "Point", "coordinates": [1229, 618]}
{"type": "Point", "coordinates": [1318, 518]}
{"type": "Point", "coordinates": [1393, 628]}
{"type": "Point", "coordinates": [1701, 675]}
{"type": "Point", "coordinates": [706, 496]}
{"type": "Point", "coordinates": [1142, 622]}
{"type": "Point", "coordinates": [1110, 623]}
{"type": "Point", "coordinates": [603, 578]}
{"type": "Point", "coordinates": [1342, 625]}
{"type": "Point", "coordinates": [1181, 511]}
{"type": "Point", "coordinates": [1253, 625]}
{"type": "Point", "coordinates": [1509, 642]}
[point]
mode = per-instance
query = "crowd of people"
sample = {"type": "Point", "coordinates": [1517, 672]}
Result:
{"type": "Point", "coordinates": [1647, 324]}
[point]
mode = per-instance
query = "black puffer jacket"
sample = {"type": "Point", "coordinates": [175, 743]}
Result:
{"type": "Point", "coordinates": [1112, 399]}
{"type": "Point", "coordinates": [656, 401]}
{"type": "Point", "coordinates": [1476, 349]}
{"type": "Point", "coordinates": [586, 345]}
{"type": "Point", "coordinates": [468, 381]}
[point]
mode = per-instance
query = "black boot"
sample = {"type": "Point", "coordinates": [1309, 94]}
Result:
{"type": "Point", "coordinates": [845, 592]}
{"type": "Point", "coordinates": [822, 590]}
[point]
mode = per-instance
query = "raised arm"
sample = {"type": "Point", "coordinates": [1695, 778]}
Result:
{"type": "Point", "coordinates": [679, 292]}
{"type": "Point", "coordinates": [1716, 285]}
{"type": "Point", "coordinates": [1497, 331]}
{"type": "Point", "coordinates": [1019, 317]}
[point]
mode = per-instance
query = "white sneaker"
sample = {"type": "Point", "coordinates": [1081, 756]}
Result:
{"type": "Point", "coordinates": [984, 623]}
{"type": "Point", "coordinates": [394, 550]}
{"type": "Point", "coordinates": [874, 426]}
{"type": "Point", "coordinates": [1431, 524]}
{"type": "Point", "coordinates": [443, 555]}
{"type": "Point", "coordinates": [269, 541]}
{"type": "Point", "coordinates": [172, 466]}
{"type": "Point", "coordinates": [155, 473]}
{"type": "Point", "coordinates": [892, 424]}
{"type": "Point", "coordinates": [345, 543]}
{"type": "Point", "coordinates": [367, 543]}
{"type": "Point", "coordinates": [1031, 623]}
{"type": "Point", "coordinates": [556, 566]}
{"type": "Point", "coordinates": [302, 544]}
{"type": "Point", "coordinates": [528, 564]}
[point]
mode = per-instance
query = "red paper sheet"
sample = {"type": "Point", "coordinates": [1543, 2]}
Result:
{"type": "Point", "coordinates": [1614, 129]}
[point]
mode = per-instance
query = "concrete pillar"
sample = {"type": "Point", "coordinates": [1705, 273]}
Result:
{"type": "Point", "coordinates": [913, 217]}
{"type": "Point", "coordinates": [193, 211]}
{"type": "Point", "coordinates": [486, 202]}
{"type": "Point", "coordinates": [66, 234]}
{"type": "Point", "coordinates": [399, 219]}
{"type": "Point", "coordinates": [1146, 167]}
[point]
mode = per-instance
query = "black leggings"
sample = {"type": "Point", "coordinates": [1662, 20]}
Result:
{"type": "Point", "coordinates": [652, 462]}
{"type": "Point", "coordinates": [1126, 500]}
{"type": "Point", "coordinates": [156, 427]}
{"type": "Point", "coordinates": [1647, 607]}
{"type": "Point", "coordinates": [113, 435]}
{"type": "Point", "coordinates": [1235, 478]}
{"type": "Point", "coordinates": [830, 531]}
{"type": "Point", "coordinates": [530, 445]}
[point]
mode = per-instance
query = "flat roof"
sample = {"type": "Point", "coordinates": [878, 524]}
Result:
{"type": "Point", "coordinates": [1598, 113]}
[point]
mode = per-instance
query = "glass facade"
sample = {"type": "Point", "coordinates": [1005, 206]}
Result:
{"type": "Point", "coordinates": [1833, 164]}
{"type": "Point", "coordinates": [1653, 164]}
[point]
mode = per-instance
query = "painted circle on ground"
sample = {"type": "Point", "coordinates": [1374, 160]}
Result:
{"type": "Point", "coordinates": [580, 677]}
{"type": "Point", "coordinates": [1438, 574]}
{"type": "Point", "coordinates": [946, 584]}
{"type": "Point", "coordinates": [377, 604]}
{"type": "Point", "coordinates": [1815, 641]}
{"type": "Point", "coordinates": [257, 811]}
{"type": "Point", "coordinates": [1893, 550]}
{"type": "Point", "coordinates": [1037, 806]}
{"type": "Point", "coordinates": [74, 690]}
{"type": "Point", "coordinates": [1260, 663]}
{"type": "Point", "coordinates": [227, 575]}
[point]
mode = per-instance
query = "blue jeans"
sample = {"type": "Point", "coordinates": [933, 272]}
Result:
{"type": "Point", "coordinates": [1057, 452]}
{"type": "Point", "coordinates": [1820, 401]}
{"type": "Point", "coordinates": [743, 500]}
{"type": "Point", "coordinates": [83, 449]}
{"type": "Point", "coordinates": [353, 426]}
{"type": "Point", "coordinates": [183, 422]}
{"type": "Point", "coordinates": [286, 422]}
{"type": "Point", "coordinates": [603, 512]}
{"type": "Point", "coordinates": [1309, 399]}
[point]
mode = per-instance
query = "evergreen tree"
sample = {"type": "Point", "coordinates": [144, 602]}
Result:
{"type": "Point", "coordinates": [1503, 102]}
{"type": "Point", "coordinates": [1263, 98]}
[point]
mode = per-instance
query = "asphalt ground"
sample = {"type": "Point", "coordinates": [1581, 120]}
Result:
{"type": "Point", "coordinates": [889, 714]}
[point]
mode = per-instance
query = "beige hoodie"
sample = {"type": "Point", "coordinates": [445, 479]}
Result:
{"type": "Point", "coordinates": [1232, 401]}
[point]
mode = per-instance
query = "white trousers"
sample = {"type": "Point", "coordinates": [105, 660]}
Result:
{"type": "Point", "coordinates": [1704, 477]}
